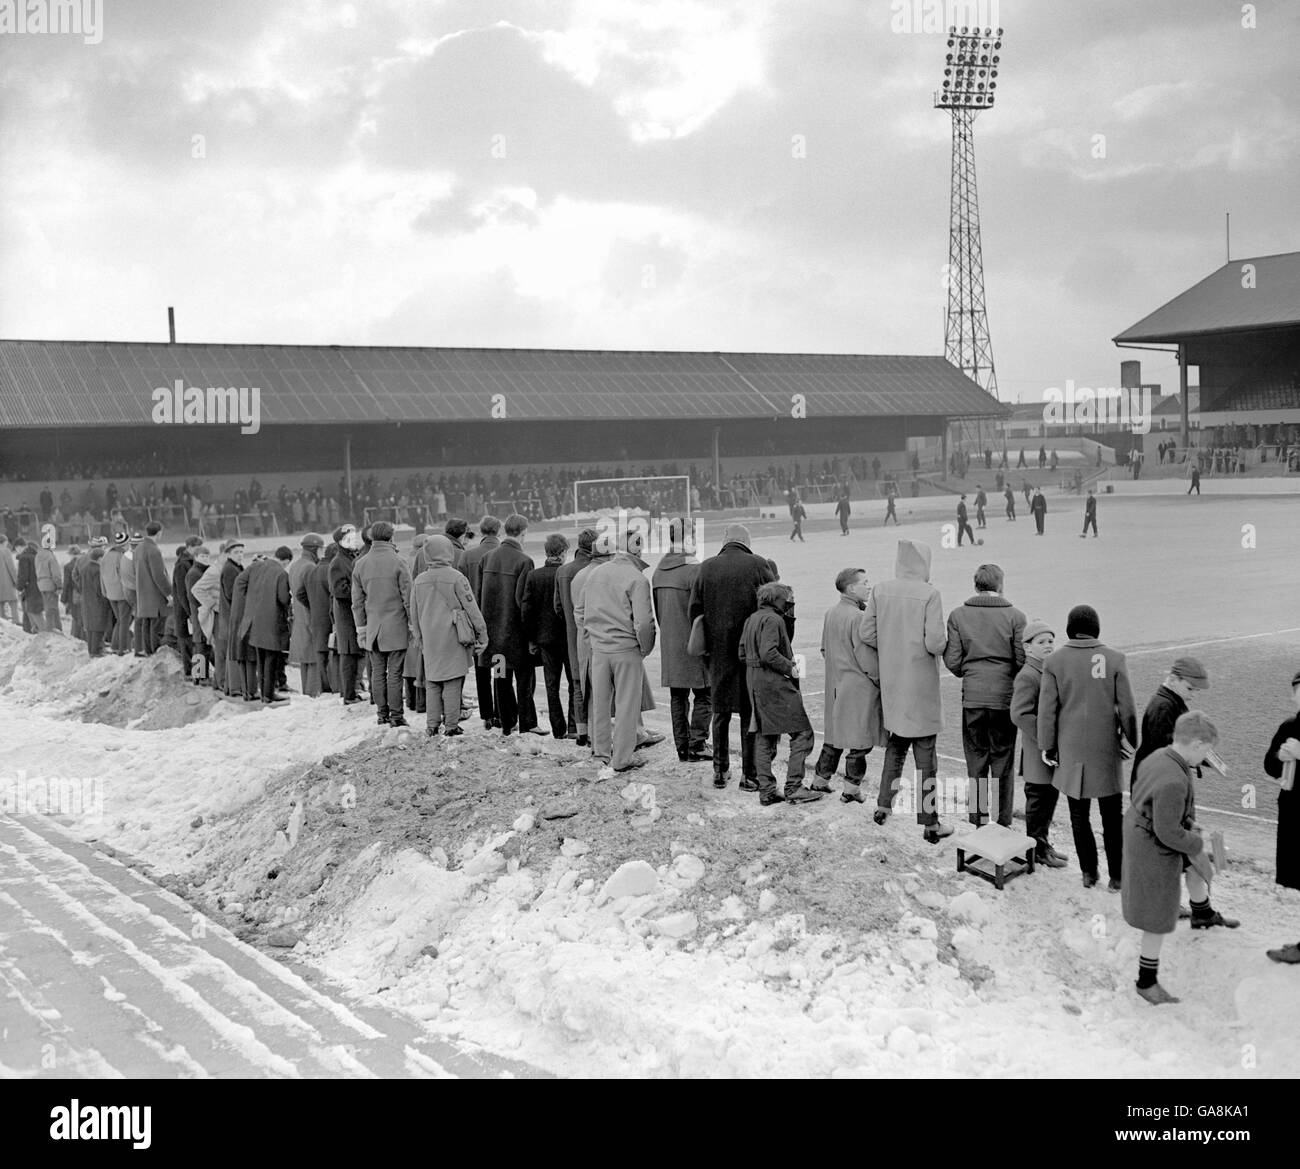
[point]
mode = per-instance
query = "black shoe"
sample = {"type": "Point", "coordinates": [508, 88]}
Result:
{"type": "Point", "coordinates": [767, 799]}
{"type": "Point", "coordinates": [1089, 880]}
{"type": "Point", "coordinates": [880, 815]}
{"type": "Point", "coordinates": [802, 795]}
{"type": "Point", "coordinates": [432, 732]}
{"type": "Point", "coordinates": [1114, 885]}
{"type": "Point", "coordinates": [351, 701]}
{"type": "Point", "coordinates": [1205, 921]}
{"type": "Point", "coordinates": [452, 732]}
{"type": "Point", "coordinates": [720, 779]}
{"type": "Point", "coordinates": [1287, 954]}
{"type": "Point", "coordinates": [1049, 858]}
{"type": "Point", "coordinates": [749, 784]}
{"type": "Point", "coordinates": [382, 720]}
{"type": "Point", "coordinates": [937, 832]}
{"type": "Point", "coordinates": [582, 741]}
{"type": "Point", "coordinates": [695, 757]}
{"type": "Point", "coordinates": [633, 766]}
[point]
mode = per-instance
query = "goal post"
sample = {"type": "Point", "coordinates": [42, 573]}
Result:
{"type": "Point", "coordinates": [648, 503]}
{"type": "Point", "coordinates": [645, 495]}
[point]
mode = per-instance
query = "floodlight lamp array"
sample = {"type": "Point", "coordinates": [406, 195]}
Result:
{"type": "Point", "coordinates": [970, 68]}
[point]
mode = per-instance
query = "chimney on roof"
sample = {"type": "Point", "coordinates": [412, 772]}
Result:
{"type": "Point", "coordinates": [171, 325]}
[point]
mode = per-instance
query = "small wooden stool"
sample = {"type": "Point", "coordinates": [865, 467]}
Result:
{"type": "Point", "coordinates": [1008, 852]}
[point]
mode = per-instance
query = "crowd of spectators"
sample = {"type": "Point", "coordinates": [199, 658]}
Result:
{"type": "Point", "coordinates": [105, 504]}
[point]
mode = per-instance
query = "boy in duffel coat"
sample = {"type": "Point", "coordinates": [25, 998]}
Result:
{"type": "Point", "coordinates": [1162, 842]}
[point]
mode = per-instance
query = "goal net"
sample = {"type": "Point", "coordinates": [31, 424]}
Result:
{"type": "Point", "coordinates": [647, 497]}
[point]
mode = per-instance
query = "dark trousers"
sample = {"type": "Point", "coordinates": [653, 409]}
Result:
{"type": "Point", "coordinates": [855, 766]}
{"type": "Point", "coordinates": [483, 685]}
{"type": "Point", "coordinates": [1040, 807]}
{"type": "Point", "coordinates": [801, 743]}
{"type": "Point", "coordinates": [725, 700]}
{"type": "Point", "coordinates": [844, 525]}
{"type": "Point", "coordinates": [149, 633]}
{"type": "Point", "coordinates": [513, 693]}
{"type": "Point", "coordinates": [329, 671]}
{"type": "Point", "coordinates": [215, 652]}
{"type": "Point", "coordinates": [249, 670]}
{"type": "Point", "coordinates": [1011, 511]}
{"type": "Point", "coordinates": [1038, 521]}
{"type": "Point", "coordinates": [348, 664]}
{"type": "Point", "coordinates": [95, 643]}
{"type": "Point", "coordinates": [184, 642]}
{"type": "Point", "coordinates": [269, 664]}
{"type": "Point", "coordinates": [136, 638]}
{"type": "Point", "coordinates": [798, 530]}
{"type": "Point", "coordinates": [927, 763]}
{"type": "Point", "coordinates": [963, 527]}
{"type": "Point", "coordinates": [386, 681]}
{"type": "Point", "coordinates": [555, 669]}
{"type": "Point", "coordinates": [121, 626]}
{"type": "Point", "coordinates": [1090, 521]}
{"type": "Point", "coordinates": [979, 517]}
{"type": "Point", "coordinates": [1112, 831]}
{"type": "Point", "coordinates": [577, 698]}
{"type": "Point", "coordinates": [416, 698]}
{"type": "Point", "coordinates": [690, 728]}
{"type": "Point", "coordinates": [890, 513]}
{"type": "Point", "coordinates": [988, 739]}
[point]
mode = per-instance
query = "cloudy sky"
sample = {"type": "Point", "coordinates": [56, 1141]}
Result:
{"type": "Point", "coordinates": [756, 175]}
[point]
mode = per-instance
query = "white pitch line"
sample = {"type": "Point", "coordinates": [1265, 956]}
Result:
{"type": "Point", "coordinates": [1164, 649]}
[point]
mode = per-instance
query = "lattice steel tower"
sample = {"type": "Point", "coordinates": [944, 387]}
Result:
{"type": "Point", "coordinates": [969, 85]}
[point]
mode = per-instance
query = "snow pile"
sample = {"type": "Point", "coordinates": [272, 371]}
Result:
{"type": "Point", "coordinates": [500, 891]}
{"type": "Point", "coordinates": [155, 794]}
{"type": "Point", "coordinates": [51, 674]}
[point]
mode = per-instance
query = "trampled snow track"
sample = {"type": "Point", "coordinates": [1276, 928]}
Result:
{"type": "Point", "coordinates": [103, 973]}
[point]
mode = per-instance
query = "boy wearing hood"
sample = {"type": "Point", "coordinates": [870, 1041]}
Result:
{"type": "Point", "coordinates": [436, 595]}
{"type": "Point", "coordinates": [772, 678]}
{"type": "Point", "coordinates": [903, 622]}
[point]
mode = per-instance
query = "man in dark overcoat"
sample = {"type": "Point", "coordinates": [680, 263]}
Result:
{"type": "Point", "coordinates": [725, 593]}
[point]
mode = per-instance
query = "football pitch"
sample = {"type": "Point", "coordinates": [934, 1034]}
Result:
{"type": "Point", "coordinates": [1215, 578]}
